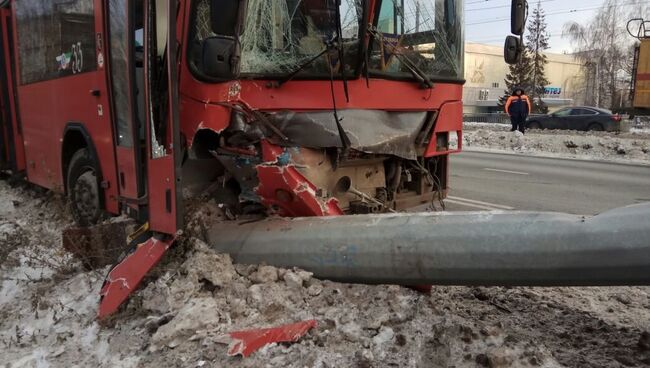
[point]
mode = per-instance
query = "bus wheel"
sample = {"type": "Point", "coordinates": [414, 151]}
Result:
{"type": "Point", "coordinates": [83, 189]}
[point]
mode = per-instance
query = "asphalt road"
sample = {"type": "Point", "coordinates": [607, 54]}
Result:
{"type": "Point", "coordinates": [489, 181]}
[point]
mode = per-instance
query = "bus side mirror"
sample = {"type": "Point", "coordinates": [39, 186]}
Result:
{"type": "Point", "coordinates": [220, 58]}
{"type": "Point", "coordinates": [227, 16]}
{"type": "Point", "coordinates": [512, 50]}
{"type": "Point", "coordinates": [518, 15]}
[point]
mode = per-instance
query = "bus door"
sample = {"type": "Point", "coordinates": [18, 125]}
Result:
{"type": "Point", "coordinates": [162, 154]}
{"type": "Point", "coordinates": [164, 157]}
{"type": "Point", "coordinates": [144, 91]}
{"type": "Point", "coordinates": [127, 98]}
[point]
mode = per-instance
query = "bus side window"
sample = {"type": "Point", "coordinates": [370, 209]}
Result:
{"type": "Point", "coordinates": [56, 39]}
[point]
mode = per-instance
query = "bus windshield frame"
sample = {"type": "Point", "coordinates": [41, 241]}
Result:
{"type": "Point", "coordinates": [427, 32]}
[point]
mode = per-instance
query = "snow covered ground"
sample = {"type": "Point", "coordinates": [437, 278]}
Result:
{"type": "Point", "coordinates": [624, 147]}
{"type": "Point", "coordinates": [48, 304]}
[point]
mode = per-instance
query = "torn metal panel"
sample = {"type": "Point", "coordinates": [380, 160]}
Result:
{"type": "Point", "coordinates": [247, 342]}
{"type": "Point", "coordinates": [276, 182]}
{"type": "Point", "coordinates": [124, 278]}
{"type": "Point", "coordinates": [313, 130]}
{"type": "Point", "coordinates": [369, 131]}
{"type": "Point", "coordinates": [285, 190]}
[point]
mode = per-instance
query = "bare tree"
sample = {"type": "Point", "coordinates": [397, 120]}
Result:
{"type": "Point", "coordinates": [602, 45]}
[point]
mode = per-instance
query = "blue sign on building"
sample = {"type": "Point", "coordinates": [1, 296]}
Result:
{"type": "Point", "coordinates": [552, 91]}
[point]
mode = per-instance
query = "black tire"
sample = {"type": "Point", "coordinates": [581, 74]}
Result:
{"type": "Point", "coordinates": [595, 127]}
{"type": "Point", "coordinates": [84, 189]}
{"type": "Point", "coordinates": [534, 125]}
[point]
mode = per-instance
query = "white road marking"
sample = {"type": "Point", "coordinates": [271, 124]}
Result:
{"type": "Point", "coordinates": [478, 204]}
{"type": "Point", "coordinates": [507, 171]}
{"type": "Point", "coordinates": [470, 205]}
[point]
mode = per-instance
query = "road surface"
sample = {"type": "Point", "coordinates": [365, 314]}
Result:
{"type": "Point", "coordinates": [489, 181]}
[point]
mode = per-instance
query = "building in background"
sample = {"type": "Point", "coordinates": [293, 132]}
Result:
{"type": "Point", "coordinates": [485, 71]}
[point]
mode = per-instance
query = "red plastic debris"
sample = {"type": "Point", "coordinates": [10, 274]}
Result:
{"type": "Point", "coordinates": [247, 342]}
{"type": "Point", "coordinates": [124, 278]}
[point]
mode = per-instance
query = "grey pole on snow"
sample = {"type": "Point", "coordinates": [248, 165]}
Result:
{"type": "Point", "coordinates": [464, 248]}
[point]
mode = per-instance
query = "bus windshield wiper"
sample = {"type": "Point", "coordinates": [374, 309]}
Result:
{"type": "Point", "coordinates": [300, 67]}
{"type": "Point", "coordinates": [412, 68]}
{"type": "Point", "coordinates": [330, 45]}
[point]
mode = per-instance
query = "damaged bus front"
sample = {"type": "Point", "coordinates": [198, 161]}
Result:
{"type": "Point", "coordinates": [314, 108]}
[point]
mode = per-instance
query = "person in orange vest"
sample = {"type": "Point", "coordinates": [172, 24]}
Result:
{"type": "Point", "coordinates": [518, 107]}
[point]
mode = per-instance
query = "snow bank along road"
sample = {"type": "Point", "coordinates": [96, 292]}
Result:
{"type": "Point", "coordinates": [491, 181]}
{"type": "Point", "coordinates": [624, 147]}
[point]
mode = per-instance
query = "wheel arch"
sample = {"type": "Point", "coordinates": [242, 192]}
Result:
{"type": "Point", "coordinates": [595, 123]}
{"type": "Point", "coordinates": [76, 137]}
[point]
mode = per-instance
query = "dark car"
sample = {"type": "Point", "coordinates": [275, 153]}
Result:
{"type": "Point", "coordinates": [577, 118]}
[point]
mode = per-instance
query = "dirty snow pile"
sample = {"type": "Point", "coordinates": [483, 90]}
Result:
{"type": "Point", "coordinates": [630, 147]}
{"type": "Point", "coordinates": [48, 304]}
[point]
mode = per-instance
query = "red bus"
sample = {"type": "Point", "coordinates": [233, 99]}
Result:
{"type": "Point", "coordinates": [296, 107]}
{"type": "Point", "coordinates": [363, 127]}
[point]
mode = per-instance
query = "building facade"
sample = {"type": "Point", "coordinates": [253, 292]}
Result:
{"type": "Point", "coordinates": [485, 72]}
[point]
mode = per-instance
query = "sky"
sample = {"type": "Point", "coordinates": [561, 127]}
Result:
{"type": "Point", "coordinates": [488, 21]}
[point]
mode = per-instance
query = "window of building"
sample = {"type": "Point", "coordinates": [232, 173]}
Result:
{"type": "Point", "coordinates": [56, 38]}
{"type": "Point", "coordinates": [495, 85]}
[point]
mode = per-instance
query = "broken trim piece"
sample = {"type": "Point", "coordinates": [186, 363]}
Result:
{"type": "Point", "coordinates": [125, 277]}
{"type": "Point", "coordinates": [247, 342]}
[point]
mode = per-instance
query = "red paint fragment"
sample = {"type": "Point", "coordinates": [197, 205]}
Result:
{"type": "Point", "coordinates": [270, 152]}
{"type": "Point", "coordinates": [124, 278]}
{"type": "Point", "coordinates": [247, 342]}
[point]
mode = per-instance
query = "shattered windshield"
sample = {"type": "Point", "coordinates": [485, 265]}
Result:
{"type": "Point", "coordinates": [427, 32]}
{"type": "Point", "coordinates": [280, 35]}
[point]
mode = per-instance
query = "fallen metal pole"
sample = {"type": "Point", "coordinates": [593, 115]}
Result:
{"type": "Point", "coordinates": [464, 248]}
